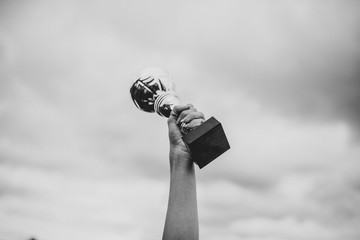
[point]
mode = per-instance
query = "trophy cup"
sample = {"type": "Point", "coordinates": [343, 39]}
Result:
{"type": "Point", "coordinates": [154, 91]}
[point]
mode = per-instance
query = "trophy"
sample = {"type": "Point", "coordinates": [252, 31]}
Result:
{"type": "Point", "coordinates": [154, 91]}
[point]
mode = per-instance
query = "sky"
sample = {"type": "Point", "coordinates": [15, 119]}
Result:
{"type": "Point", "coordinates": [78, 160]}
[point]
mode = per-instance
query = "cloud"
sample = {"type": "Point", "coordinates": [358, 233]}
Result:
{"type": "Point", "coordinates": [300, 59]}
{"type": "Point", "coordinates": [280, 76]}
{"type": "Point", "coordinates": [287, 228]}
{"type": "Point", "coordinates": [291, 210]}
{"type": "Point", "coordinates": [51, 204]}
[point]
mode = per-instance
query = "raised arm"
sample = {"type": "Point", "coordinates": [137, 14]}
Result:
{"type": "Point", "coordinates": [182, 216]}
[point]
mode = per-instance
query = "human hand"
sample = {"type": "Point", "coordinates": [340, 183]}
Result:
{"type": "Point", "coordinates": [187, 116]}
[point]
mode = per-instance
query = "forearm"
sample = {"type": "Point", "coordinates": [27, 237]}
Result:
{"type": "Point", "coordinates": [182, 217]}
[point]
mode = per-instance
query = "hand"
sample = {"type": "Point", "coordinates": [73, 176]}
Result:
{"type": "Point", "coordinates": [185, 115]}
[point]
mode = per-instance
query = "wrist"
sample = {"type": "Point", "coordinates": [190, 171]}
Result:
{"type": "Point", "coordinates": [180, 157]}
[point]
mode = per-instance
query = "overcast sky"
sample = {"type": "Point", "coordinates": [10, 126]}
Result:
{"type": "Point", "coordinates": [79, 161]}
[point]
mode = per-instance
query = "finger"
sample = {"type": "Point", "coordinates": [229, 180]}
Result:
{"type": "Point", "coordinates": [175, 113]}
{"type": "Point", "coordinates": [184, 113]}
{"type": "Point", "coordinates": [178, 109]}
{"type": "Point", "coordinates": [192, 124]}
{"type": "Point", "coordinates": [191, 116]}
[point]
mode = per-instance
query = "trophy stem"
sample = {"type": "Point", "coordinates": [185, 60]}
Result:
{"type": "Point", "coordinates": [165, 102]}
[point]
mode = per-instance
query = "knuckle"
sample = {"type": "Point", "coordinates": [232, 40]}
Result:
{"type": "Point", "coordinates": [176, 109]}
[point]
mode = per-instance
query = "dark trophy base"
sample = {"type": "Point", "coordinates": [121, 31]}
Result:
{"type": "Point", "coordinates": [207, 142]}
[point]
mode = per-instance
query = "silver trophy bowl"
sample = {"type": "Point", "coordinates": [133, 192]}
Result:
{"type": "Point", "coordinates": [154, 91]}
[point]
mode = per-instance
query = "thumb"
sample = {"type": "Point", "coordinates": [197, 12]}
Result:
{"type": "Point", "coordinates": [172, 118]}
{"type": "Point", "coordinates": [174, 130]}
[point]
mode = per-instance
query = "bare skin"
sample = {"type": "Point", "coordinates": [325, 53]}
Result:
{"type": "Point", "coordinates": [182, 216]}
